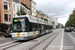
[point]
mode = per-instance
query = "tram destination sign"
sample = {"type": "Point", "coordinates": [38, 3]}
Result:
{"type": "Point", "coordinates": [17, 20]}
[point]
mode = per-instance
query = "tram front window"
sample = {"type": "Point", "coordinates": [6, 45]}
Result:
{"type": "Point", "coordinates": [19, 25]}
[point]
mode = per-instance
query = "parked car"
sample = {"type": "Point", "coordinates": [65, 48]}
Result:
{"type": "Point", "coordinates": [74, 29]}
{"type": "Point", "coordinates": [8, 34]}
{"type": "Point", "coordinates": [67, 29]}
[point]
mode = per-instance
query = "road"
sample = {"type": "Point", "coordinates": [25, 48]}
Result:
{"type": "Point", "coordinates": [57, 40]}
{"type": "Point", "coordinates": [4, 40]}
{"type": "Point", "coordinates": [69, 41]}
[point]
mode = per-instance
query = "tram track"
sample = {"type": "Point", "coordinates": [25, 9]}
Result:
{"type": "Point", "coordinates": [4, 47]}
{"type": "Point", "coordinates": [50, 41]}
{"type": "Point", "coordinates": [17, 43]}
{"type": "Point", "coordinates": [45, 40]}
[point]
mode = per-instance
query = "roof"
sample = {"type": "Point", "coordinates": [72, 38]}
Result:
{"type": "Point", "coordinates": [34, 19]}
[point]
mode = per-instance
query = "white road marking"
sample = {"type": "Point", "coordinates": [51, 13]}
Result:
{"type": "Point", "coordinates": [61, 47]}
{"type": "Point", "coordinates": [72, 38]}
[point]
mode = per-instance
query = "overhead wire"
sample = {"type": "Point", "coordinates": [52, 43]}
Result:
{"type": "Point", "coordinates": [51, 6]}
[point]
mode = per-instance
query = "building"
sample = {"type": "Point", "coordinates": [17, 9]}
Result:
{"type": "Point", "coordinates": [6, 11]}
{"type": "Point", "coordinates": [16, 7]}
{"type": "Point", "coordinates": [45, 16]}
{"type": "Point", "coordinates": [38, 14]}
{"type": "Point", "coordinates": [50, 19]}
{"type": "Point", "coordinates": [21, 3]}
{"type": "Point", "coordinates": [9, 9]}
{"type": "Point", "coordinates": [54, 21]}
{"type": "Point", "coordinates": [33, 8]}
{"type": "Point", "coordinates": [27, 6]}
{"type": "Point", "coordinates": [41, 14]}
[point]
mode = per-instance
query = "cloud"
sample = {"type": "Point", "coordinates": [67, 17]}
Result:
{"type": "Point", "coordinates": [62, 20]}
{"type": "Point", "coordinates": [61, 8]}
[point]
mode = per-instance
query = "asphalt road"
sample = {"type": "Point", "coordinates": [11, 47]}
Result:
{"type": "Point", "coordinates": [5, 40]}
{"type": "Point", "coordinates": [69, 41]}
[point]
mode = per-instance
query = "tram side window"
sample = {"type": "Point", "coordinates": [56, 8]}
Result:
{"type": "Point", "coordinates": [27, 24]}
{"type": "Point", "coordinates": [45, 27]}
{"type": "Point", "coordinates": [34, 27]}
{"type": "Point", "coordinates": [30, 26]}
{"type": "Point", "coordinates": [49, 28]}
{"type": "Point", "coordinates": [40, 26]}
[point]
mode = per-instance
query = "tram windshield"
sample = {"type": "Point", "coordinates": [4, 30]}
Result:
{"type": "Point", "coordinates": [19, 25]}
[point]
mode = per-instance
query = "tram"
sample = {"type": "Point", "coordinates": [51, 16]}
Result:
{"type": "Point", "coordinates": [26, 27]}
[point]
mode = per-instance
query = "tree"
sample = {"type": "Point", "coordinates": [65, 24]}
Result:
{"type": "Point", "coordinates": [71, 21]}
{"type": "Point", "coordinates": [21, 11]}
{"type": "Point", "coordinates": [45, 19]}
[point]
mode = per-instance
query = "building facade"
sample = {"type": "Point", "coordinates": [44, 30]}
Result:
{"type": "Point", "coordinates": [9, 9]}
{"type": "Point", "coordinates": [27, 6]}
{"type": "Point", "coordinates": [33, 8]}
{"type": "Point", "coordinates": [6, 11]}
{"type": "Point", "coordinates": [54, 21]}
{"type": "Point", "coordinates": [21, 3]}
{"type": "Point", "coordinates": [38, 14]}
{"type": "Point", "coordinates": [41, 14]}
{"type": "Point", "coordinates": [16, 7]}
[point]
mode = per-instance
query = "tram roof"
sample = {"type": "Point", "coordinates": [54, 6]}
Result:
{"type": "Point", "coordinates": [34, 19]}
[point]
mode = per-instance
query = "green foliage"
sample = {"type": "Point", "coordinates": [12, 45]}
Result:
{"type": "Point", "coordinates": [71, 21]}
{"type": "Point", "coordinates": [57, 27]}
{"type": "Point", "coordinates": [35, 16]}
{"type": "Point", "coordinates": [21, 12]}
{"type": "Point", "coordinates": [45, 19]}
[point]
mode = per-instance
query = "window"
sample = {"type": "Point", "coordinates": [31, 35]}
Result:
{"type": "Point", "coordinates": [17, 7]}
{"type": "Point", "coordinates": [24, 1]}
{"type": "Point", "coordinates": [28, 13]}
{"type": "Point", "coordinates": [9, 17]}
{"type": "Point", "coordinates": [14, 7]}
{"type": "Point", "coordinates": [5, 17]}
{"type": "Point", "coordinates": [14, 15]}
{"type": "Point", "coordinates": [5, 5]}
{"type": "Point", "coordinates": [33, 27]}
{"type": "Point", "coordinates": [9, 8]}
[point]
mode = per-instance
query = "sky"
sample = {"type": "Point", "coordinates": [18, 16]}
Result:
{"type": "Point", "coordinates": [56, 8]}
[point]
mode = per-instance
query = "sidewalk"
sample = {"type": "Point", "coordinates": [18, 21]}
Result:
{"type": "Point", "coordinates": [57, 42]}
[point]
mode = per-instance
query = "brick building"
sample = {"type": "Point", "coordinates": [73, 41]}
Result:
{"type": "Point", "coordinates": [6, 11]}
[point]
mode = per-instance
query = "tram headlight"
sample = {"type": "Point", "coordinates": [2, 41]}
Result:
{"type": "Point", "coordinates": [23, 34]}
{"type": "Point", "coordinates": [13, 34]}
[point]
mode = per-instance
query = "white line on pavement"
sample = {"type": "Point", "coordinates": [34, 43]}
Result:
{"type": "Point", "coordinates": [61, 48]}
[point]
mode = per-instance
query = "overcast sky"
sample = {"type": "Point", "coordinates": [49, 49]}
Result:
{"type": "Point", "coordinates": [56, 8]}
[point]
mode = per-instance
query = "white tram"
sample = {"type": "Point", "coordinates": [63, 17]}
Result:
{"type": "Point", "coordinates": [27, 27]}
